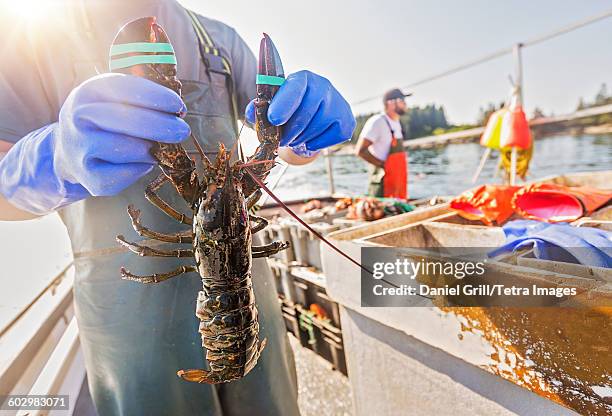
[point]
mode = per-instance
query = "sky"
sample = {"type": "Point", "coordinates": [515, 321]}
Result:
{"type": "Point", "coordinates": [366, 47]}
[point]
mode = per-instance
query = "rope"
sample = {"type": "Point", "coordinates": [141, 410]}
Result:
{"type": "Point", "coordinates": [501, 52]}
{"type": "Point", "coordinates": [52, 284]}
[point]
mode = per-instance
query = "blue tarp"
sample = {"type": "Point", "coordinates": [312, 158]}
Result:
{"type": "Point", "coordinates": [558, 242]}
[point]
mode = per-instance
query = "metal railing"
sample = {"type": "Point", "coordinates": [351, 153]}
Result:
{"type": "Point", "coordinates": [50, 287]}
{"type": "Point", "coordinates": [39, 347]}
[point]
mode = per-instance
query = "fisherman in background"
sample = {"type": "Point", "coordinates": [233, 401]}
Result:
{"type": "Point", "coordinates": [381, 145]}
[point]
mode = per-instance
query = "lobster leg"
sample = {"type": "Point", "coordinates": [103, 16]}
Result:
{"type": "Point", "coordinates": [149, 251]}
{"type": "Point", "coordinates": [182, 238]}
{"type": "Point", "coordinates": [154, 199]}
{"type": "Point", "coordinates": [269, 249]}
{"type": "Point", "coordinates": [261, 223]}
{"type": "Point", "coordinates": [157, 277]}
{"type": "Point", "coordinates": [252, 200]}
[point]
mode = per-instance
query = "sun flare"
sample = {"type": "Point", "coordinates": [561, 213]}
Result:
{"type": "Point", "coordinates": [26, 9]}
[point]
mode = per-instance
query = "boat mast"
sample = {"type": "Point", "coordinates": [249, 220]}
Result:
{"type": "Point", "coordinates": [518, 72]}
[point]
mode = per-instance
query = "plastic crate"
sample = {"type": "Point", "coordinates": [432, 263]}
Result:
{"type": "Point", "coordinates": [314, 243]}
{"type": "Point", "coordinates": [290, 317]}
{"type": "Point", "coordinates": [335, 347]}
{"type": "Point", "coordinates": [302, 289]}
{"type": "Point", "coordinates": [276, 273]}
{"type": "Point", "coordinates": [299, 237]}
{"type": "Point", "coordinates": [284, 280]}
{"type": "Point", "coordinates": [320, 336]}
{"type": "Point", "coordinates": [279, 231]}
{"type": "Point", "coordinates": [307, 246]}
{"type": "Point", "coordinates": [331, 307]}
{"type": "Point", "coordinates": [308, 336]}
{"type": "Point", "coordinates": [310, 289]}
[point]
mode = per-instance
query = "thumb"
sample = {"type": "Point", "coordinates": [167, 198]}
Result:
{"type": "Point", "coordinates": [249, 112]}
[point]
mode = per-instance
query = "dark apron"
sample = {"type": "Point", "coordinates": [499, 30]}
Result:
{"type": "Point", "coordinates": [381, 184]}
{"type": "Point", "coordinates": [135, 337]}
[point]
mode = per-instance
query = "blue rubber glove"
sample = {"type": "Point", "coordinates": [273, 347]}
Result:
{"type": "Point", "coordinates": [312, 112]}
{"type": "Point", "coordinates": [99, 146]}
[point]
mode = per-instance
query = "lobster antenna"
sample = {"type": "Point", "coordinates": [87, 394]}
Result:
{"type": "Point", "coordinates": [242, 158]}
{"type": "Point", "coordinates": [200, 151]}
{"type": "Point", "coordinates": [237, 144]}
{"type": "Point", "coordinates": [308, 227]}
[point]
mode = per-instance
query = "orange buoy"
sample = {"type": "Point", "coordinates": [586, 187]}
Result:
{"type": "Point", "coordinates": [490, 136]}
{"type": "Point", "coordinates": [515, 129]}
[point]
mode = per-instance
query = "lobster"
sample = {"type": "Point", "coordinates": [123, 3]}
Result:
{"type": "Point", "coordinates": [220, 200]}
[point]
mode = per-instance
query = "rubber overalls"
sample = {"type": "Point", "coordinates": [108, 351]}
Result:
{"type": "Point", "coordinates": [392, 180]}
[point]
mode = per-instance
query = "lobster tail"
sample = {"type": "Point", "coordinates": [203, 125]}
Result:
{"type": "Point", "coordinates": [214, 377]}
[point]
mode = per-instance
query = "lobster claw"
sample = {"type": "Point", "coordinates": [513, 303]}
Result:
{"type": "Point", "coordinates": [270, 76]}
{"type": "Point", "coordinates": [142, 48]}
{"type": "Point", "coordinates": [270, 65]}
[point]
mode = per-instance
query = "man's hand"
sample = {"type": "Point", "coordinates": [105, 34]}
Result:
{"type": "Point", "coordinates": [312, 112]}
{"type": "Point", "coordinates": [99, 146]}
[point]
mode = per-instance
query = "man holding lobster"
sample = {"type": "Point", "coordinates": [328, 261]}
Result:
{"type": "Point", "coordinates": [78, 144]}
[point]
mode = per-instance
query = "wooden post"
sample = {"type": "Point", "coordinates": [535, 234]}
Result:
{"type": "Point", "coordinates": [330, 171]}
{"type": "Point", "coordinates": [483, 160]}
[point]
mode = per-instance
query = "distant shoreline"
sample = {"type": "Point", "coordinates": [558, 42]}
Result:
{"type": "Point", "coordinates": [468, 136]}
{"type": "Point", "coordinates": [601, 129]}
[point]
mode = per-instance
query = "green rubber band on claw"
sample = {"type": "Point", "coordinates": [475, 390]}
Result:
{"type": "Point", "coordinates": [269, 80]}
{"type": "Point", "coordinates": [141, 59]}
{"type": "Point", "coordinates": [135, 47]}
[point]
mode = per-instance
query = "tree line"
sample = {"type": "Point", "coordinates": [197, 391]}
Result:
{"type": "Point", "coordinates": [601, 98]}
{"type": "Point", "coordinates": [417, 122]}
{"type": "Point", "coordinates": [431, 119]}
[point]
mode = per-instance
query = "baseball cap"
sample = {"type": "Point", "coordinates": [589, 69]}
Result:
{"type": "Point", "coordinates": [394, 94]}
